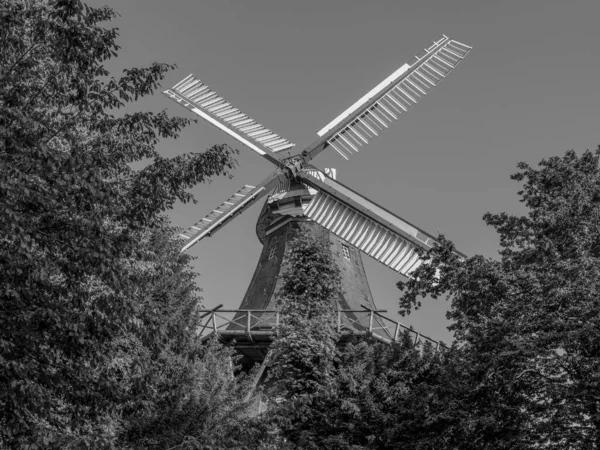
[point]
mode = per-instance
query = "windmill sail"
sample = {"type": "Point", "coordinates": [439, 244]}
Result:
{"type": "Point", "coordinates": [377, 232]}
{"type": "Point", "coordinates": [387, 101]}
{"type": "Point", "coordinates": [218, 217]}
{"type": "Point", "coordinates": [382, 244]}
{"type": "Point", "coordinates": [201, 100]}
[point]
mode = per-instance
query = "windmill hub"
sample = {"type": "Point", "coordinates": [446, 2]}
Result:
{"type": "Point", "coordinates": [293, 166]}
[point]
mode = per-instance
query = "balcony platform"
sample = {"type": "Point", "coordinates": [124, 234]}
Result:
{"type": "Point", "coordinates": [253, 331]}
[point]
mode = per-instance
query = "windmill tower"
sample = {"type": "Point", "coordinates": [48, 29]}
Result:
{"type": "Point", "coordinates": [299, 193]}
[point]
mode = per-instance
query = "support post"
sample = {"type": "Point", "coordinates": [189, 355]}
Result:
{"type": "Point", "coordinates": [212, 311]}
{"type": "Point", "coordinates": [204, 326]}
{"type": "Point", "coordinates": [370, 321]}
{"type": "Point", "coordinates": [396, 332]}
{"type": "Point", "coordinates": [257, 377]}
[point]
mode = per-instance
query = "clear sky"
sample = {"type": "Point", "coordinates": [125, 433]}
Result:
{"type": "Point", "coordinates": [528, 90]}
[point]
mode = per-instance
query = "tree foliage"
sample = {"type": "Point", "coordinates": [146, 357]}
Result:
{"type": "Point", "coordinates": [204, 403]}
{"type": "Point", "coordinates": [95, 298]}
{"type": "Point", "coordinates": [367, 395]}
{"type": "Point", "coordinates": [523, 371]}
{"type": "Point", "coordinates": [529, 324]}
{"type": "Point", "coordinates": [382, 396]}
{"type": "Point", "coordinates": [302, 358]}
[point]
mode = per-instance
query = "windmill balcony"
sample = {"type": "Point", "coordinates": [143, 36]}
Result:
{"type": "Point", "coordinates": [254, 330]}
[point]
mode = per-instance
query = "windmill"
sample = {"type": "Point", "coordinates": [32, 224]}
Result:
{"type": "Point", "coordinates": [298, 192]}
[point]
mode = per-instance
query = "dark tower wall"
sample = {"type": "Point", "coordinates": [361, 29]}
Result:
{"type": "Point", "coordinates": [266, 281]}
{"type": "Point", "coordinates": [281, 218]}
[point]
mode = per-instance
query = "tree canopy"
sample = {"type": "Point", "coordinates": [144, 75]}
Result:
{"type": "Point", "coordinates": [96, 299]}
{"type": "Point", "coordinates": [364, 395]}
{"type": "Point", "coordinates": [523, 370]}
{"type": "Point", "coordinates": [528, 324]}
{"type": "Point", "coordinates": [301, 364]}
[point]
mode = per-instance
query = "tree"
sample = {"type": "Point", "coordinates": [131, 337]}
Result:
{"type": "Point", "coordinates": [368, 395]}
{"type": "Point", "coordinates": [93, 286]}
{"type": "Point", "coordinates": [302, 357]}
{"type": "Point", "coordinates": [529, 324]}
{"type": "Point", "coordinates": [202, 402]}
{"type": "Point", "coordinates": [383, 396]}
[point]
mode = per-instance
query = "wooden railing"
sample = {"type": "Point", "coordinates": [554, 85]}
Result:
{"type": "Point", "coordinates": [262, 324]}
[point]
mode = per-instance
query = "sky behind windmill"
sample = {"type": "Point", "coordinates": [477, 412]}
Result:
{"type": "Point", "coordinates": [528, 90]}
